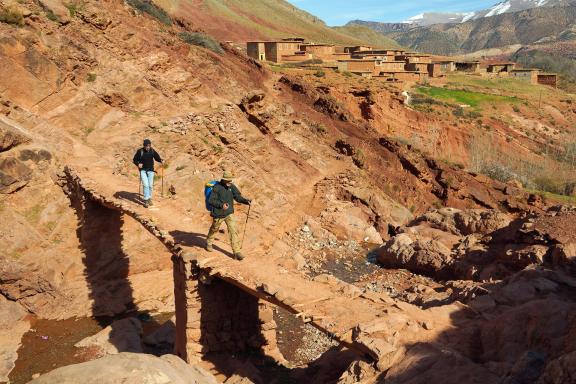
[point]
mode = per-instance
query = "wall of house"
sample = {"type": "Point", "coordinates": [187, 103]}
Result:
{"type": "Point", "coordinates": [417, 67]}
{"type": "Point", "coordinates": [527, 76]}
{"type": "Point", "coordinates": [353, 66]}
{"type": "Point", "coordinates": [254, 49]}
{"type": "Point", "coordinates": [391, 66]}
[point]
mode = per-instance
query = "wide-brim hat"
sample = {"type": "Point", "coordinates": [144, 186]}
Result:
{"type": "Point", "coordinates": [227, 176]}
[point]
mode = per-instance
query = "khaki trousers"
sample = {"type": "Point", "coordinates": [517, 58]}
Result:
{"type": "Point", "coordinates": [231, 224]}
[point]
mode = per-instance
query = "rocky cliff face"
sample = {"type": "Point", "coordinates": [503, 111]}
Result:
{"type": "Point", "coordinates": [83, 84]}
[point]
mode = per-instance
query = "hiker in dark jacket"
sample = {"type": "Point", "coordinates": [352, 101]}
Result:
{"type": "Point", "coordinates": [144, 160]}
{"type": "Point", "coordinates": [222, 202]}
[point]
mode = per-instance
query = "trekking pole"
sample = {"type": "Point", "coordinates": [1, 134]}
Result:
{"type": "Point", "coordinates": [245, 226]}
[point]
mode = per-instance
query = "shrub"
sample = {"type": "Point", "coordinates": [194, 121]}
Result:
{"type": "Point", "coordinates": [359, 158]}
{"type": "Point", "coordinates": [91, 77]}
{"type": "Point", "coordinates": [11, 16]}
{"type": "Point", "coordinates": [202, 40]}
{"type": "Point", "coordinates": [320, 73]}
{"type": "Point", "coordinates": [51, 16]}
{"type": "Point", "coordinates": [458, 112]}
{"type": "Point", "coordinates": [152, 9]}
{"type": "Point", "coordinates": [347, 74]}
{"type": "Point", "coordinates": [516, 109]}
{"type": "Point", "coordinates": [74, 7]}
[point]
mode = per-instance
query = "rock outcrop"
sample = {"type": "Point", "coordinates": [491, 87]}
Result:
{"type": "Point", "coordinates": [120, 336]}
{"type": "Point", "coordinates": [13, 325]}
{"type": "Point", "coordinates": [129, 368]}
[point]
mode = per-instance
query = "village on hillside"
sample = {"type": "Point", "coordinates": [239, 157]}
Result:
{"type": "Point", "coordinates": [391, 65]}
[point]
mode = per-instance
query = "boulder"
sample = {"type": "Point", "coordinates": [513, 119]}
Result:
{"type": "Point", "coordinates": [10, 137]}
{"type": "Point", "coordinates": [417, 254]}
{"type": "Point", "coordinates": [560, 370]}
{"type": "Point", "coordinates": [120, 336]}
{"type": "Point", "coordinates": [163, 335]}
{"type": "Point", "coordinates": [351, 223]}
{"type": "Point", "coordinates": [57, 8]}
{"type": "Point", "coordinates": [480, 221]}
{"type": "Point", "coordinates": [14, 175]}
{"type": "Point", "coordinates": [12, 327]}
{"type": "Point", "coordinates": [424, 364]}
{"type": "Point", "coordinates": [129, 368]}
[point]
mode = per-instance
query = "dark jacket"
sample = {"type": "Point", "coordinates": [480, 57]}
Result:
{"type": "Point", "coordinates": [220, 195]}
{"type": "Point", "coordinates": [146, 158]}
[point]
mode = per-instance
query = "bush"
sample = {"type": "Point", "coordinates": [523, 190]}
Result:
{"type": "Point", "coordinates": [152, 9]}
{"type": "Point", "coordinates": [11, 16]}
{"type": "Point", "coordinates": [458, 112]}
{"type": "Point", "coordinates": [320, 73]}
{"type": "Point", "coordinates": [91, 77]}
{"type": "Point", "coordinates": [202, 40]}
{"type": "Point", "coordinates": [51, 16]}
{"type": "Point", "coordinates": [75, 6]}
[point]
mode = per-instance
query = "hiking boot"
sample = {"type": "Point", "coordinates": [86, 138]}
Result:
{"type": "Point", "coordinates": [146, 204]}
{"type": "Point", "coordinates": [209, 248]}
{"type": "Point", "coordinates": [238, 256]}
{"type": "Point", "coordinates": [150, 203]}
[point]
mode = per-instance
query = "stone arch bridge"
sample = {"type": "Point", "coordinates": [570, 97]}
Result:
{"type": "Point", "coordinates": [224, 305]}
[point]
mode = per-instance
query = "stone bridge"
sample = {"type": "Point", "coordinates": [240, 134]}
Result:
{"type": "Point", "coordinates": [225, 305]}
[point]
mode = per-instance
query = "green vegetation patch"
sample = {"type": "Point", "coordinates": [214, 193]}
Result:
{"type": "Point", "coordinates": [202, 40]}
{"type": "Point", "coordinates": [11, 16]}
{"type": "Point", "coordinates": [152, 9]}
{"type": "Point", "coordinates": [473, 99]}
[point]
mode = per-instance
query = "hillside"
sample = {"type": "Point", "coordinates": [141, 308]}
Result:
{"type": "Point", "coordinates": [388, 238]}
{"type": "Point", "coordinates": [243, 20]}
{"type": "Point", "coordinates": [524, 27]}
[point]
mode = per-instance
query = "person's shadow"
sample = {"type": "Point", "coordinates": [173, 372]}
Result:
{"type": "Point", "coordinates": [192, 239]}
{"type": "Point", "coordinates": [129, 196]}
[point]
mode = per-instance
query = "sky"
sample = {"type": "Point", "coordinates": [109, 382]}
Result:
{"type": "Point", "coordinates": [339, 12]}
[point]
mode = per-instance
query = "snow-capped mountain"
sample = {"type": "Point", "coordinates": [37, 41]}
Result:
{"type": "Point", "coordinates": [508, 6]}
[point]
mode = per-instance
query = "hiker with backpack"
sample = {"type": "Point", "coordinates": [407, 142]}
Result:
{"type": "Point", "coordinates": [220, 196]}
{"type": "Point", "coordinates": [144, 160]}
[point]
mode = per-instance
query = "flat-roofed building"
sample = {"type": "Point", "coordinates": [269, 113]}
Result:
{"type": "Point", "coordinates": [435, 70]}
{"type": "Point", "coordinates": [550, 79]}
{"type": "Point", "coordinates": [272, 50]}
{"type": "Point", "coordinates": [402, 76]}
{"type": "Point", "coordinates": [467, 66]}
{"type": "Point", "coordinates": [500, 67]}
{"type": "Point", "coordinates": [256, 50]}
{"type": "Point", "coordinates": [357, 48]}
{"type": "Point", "coordinates": [358, 65]}
{"type": "Point", "coordinates": [446, 65]}
{"type": "Point", "coordinates": [529, 75]}
{"type": "Point", "coordinates": [417, 67]}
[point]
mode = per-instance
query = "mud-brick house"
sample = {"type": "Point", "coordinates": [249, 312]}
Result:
{"type": "Point", "coordinates": [256, 50]}
{"type": "Point", "coordinates": [356, 48]}
{"type": "Point", "coordinates": [272, 50]}
{"type": "Point", "coordinates": [411, 57]}
{"type": "Point", "coordinates": [500, 67]}
{"type": "Point", "coordinates": [529, 75]}
{"type": "Point", "coordinates": [446, 66]}
{"type": "Point", "coordinates": [410, 76]}
{"type": "Point", "coordinates": [319, 51]}
{"type": "Point", "coordinates": [549, 79]}
{"type": "Point", "coordinates": [435, 70]}
{"type": "Point", "coordinates": [417, 67]}
{"type": "Point", "coordinates": [358, 65]}
{"type": "Point", "coordinates": [392, 66]}
{"type": "Point", "coordinates": [467, 66]}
